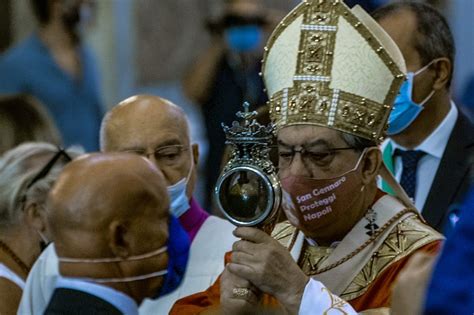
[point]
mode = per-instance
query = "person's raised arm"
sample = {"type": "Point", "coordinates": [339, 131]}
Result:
{"type": "Point", "coordinates": [197, 82]}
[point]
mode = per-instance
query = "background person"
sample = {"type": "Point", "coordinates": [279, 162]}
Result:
{"type": "Point", "coordinates": [227, 74]}
{"type": "Point", "coordinates": [24, 119]}
{"type": "Point", "coordinates": [55, 66]}
{"type": "Point", "coordinates": [27, 173]}
{"type": "Point", "coordinates": [430, 139]}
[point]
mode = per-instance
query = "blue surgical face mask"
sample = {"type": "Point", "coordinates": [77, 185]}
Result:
{"type": "Point", "coordinates": [177, 248]}
{"type": "Point", "coordinates": [243, 38]}
{"type": "Point", "coordinates": [405, 110]}
{"type": "Point", "coordinates": [178, 254]}
{"type": "Point", "coordinates": [179, 202]}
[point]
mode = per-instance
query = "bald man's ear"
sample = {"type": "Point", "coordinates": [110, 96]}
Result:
{"type": "Point", "coordinates": [195, 147]}
{"type": "Point", "coordinates": [371, 165]}
{"type": "Point", "coordinates": [118, 243]}
{"type": "Point", "coordinates": [443, 70]}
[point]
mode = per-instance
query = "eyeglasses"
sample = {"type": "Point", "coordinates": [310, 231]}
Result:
{"type": "Point", "coordinates": [169, 155]}
{"type": "Point", "coordinates": [47, 168]}
{"type": "Point", "coordinates": [311, 158]}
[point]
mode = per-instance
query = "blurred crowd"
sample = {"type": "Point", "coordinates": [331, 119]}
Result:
{"type": "Point", "coordinates": [101, 210]}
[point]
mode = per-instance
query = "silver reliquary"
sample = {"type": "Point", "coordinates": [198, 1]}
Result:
{"type": "Point", "coordinates": [248, 191]}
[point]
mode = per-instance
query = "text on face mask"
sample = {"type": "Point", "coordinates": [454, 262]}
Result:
{"type": "Point", "coordinates": [317, 192]}
{"type": "Point", "coordinates": [317, 215]}
{"type": "Point", "coordinates": [319, 203]}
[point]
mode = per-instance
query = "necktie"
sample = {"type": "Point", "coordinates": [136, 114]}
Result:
{"type": "Point", "coordinates": [410, 161]}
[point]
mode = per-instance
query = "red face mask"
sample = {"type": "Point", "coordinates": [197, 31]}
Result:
{"type": "Point", "coordinates": [310, 204]}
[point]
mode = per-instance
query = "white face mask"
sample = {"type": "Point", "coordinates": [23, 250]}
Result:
{"type": "Point", "coordinates": [156, 252]}
{"type": "Point", "coordinates": [179, 202]}
{"type": "Point", "coordinates": [44, 240]}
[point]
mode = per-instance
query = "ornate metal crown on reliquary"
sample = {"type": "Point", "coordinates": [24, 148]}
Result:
{"type": "Point", "coordinates": [332, 66]}
{"type": "Point", "coordinates": [248, 191]}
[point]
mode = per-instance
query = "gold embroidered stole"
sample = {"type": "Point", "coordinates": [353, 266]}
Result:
{"type": "Point", "coordinates": [351, 278]}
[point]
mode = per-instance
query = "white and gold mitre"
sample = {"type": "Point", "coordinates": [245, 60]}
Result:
{"type": "Point", "coordinates": [332, 66]}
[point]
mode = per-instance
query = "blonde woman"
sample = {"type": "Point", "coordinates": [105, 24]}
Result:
{"type": "Point", "coordinates": [27, 173]}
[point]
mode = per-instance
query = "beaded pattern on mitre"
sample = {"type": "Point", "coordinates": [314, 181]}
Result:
{"type": "Point", "coordinates": [341, 76]}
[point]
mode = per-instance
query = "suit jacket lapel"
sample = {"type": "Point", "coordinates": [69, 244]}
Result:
{"type": "Point", "coordinates": [452, 171]}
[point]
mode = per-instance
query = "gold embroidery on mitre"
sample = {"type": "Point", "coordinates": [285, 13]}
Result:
{"type": "Point", "coordinates": [323, 66]}
{"type": "Point", "coordinates": [406, 237]}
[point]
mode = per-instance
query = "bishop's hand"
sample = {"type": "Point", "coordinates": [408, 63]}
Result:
{"type": "Point", "coordinates": [265, 263]}
{"type": "Point", "coordinates": [238, 295]}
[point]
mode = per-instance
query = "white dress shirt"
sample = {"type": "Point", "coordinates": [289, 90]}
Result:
{"type": "Point", "coordinates": [40, 283]}
{"type": "Point", "coordinates": [124, 303]}
{"type": "Point", "coordinates": [434, 146]}
{"type": "Point", "coordinates": [7, 273]}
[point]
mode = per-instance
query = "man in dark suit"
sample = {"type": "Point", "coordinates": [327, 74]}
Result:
{"type": "Point", "coordinates": [116, 242]}
{"type": "Point", "coordinates": [430, 139]}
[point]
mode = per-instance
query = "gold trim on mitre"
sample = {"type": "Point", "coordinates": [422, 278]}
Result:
{"type": "Point", "coordinates": [330, 66]}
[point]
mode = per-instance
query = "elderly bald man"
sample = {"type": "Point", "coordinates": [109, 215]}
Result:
{"type": "Point", "coordinates": [116, 241]}
{"type": "Point", "coordinates": [157, 129]}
